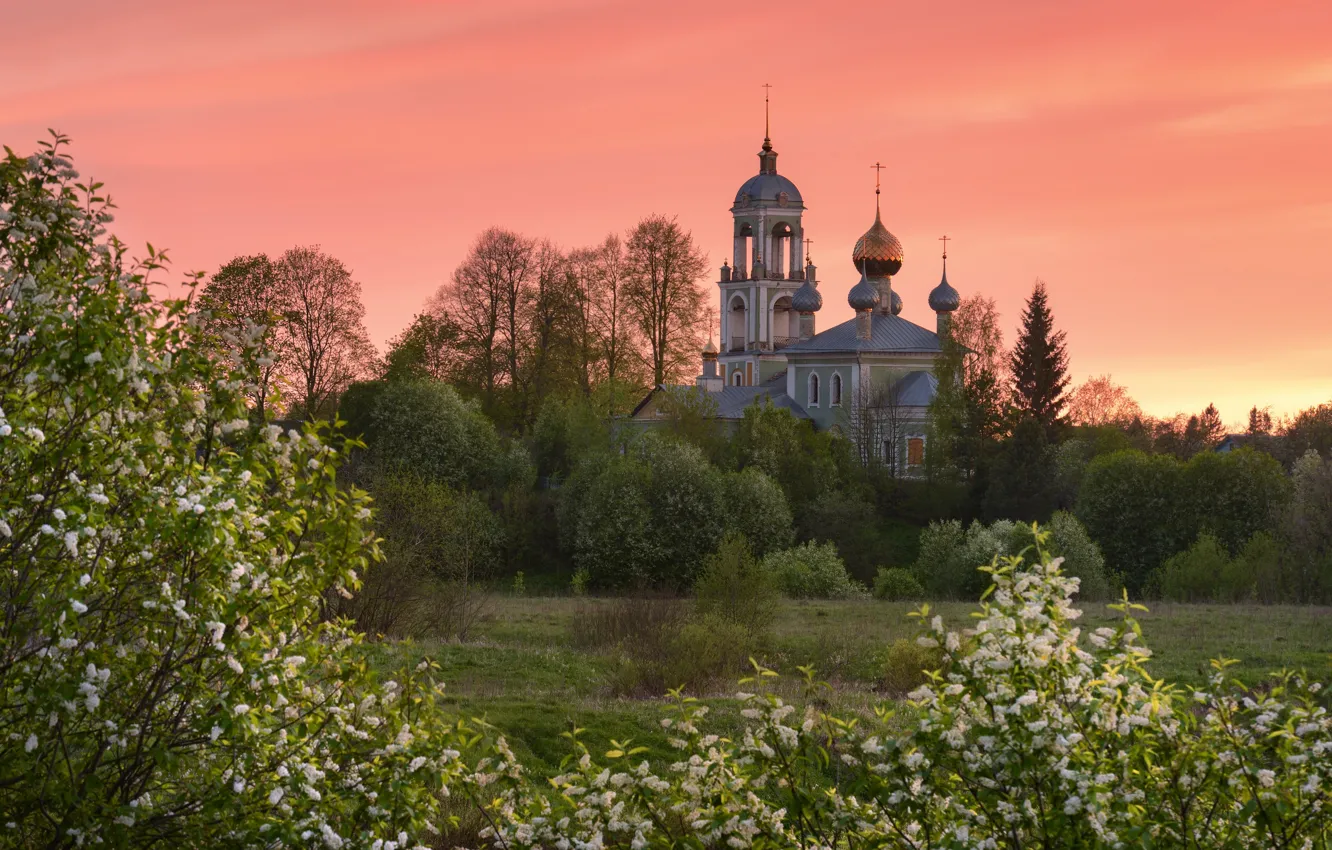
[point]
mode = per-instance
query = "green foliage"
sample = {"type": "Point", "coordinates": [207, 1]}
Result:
{"type": "Point", "coordinates": [1205, 572]}
{"type": "Point", "coordinates": [1039, 364]}
{"type": "Point", "coordinates": [1306, 530]}
{"type": "Point", "coordinates": [897, 584]}
{"type": "Point", "coordinates": [735, 587]}
{"type": "Point", "coordinates": [1233, 495]}
{"type": "Point", "coordinates": [578, 584]}
{"type": "Point", "coordinates": [1022, 479]}
{"type": "Point", "coordinates": [356, 408]}
{"type": "Point", "coordinates": [788, 450]}
{"type": "Point", "coordinates": [1142, 509]}
{"type": "Point", "coordinates": [1130, 504]}
{"type": "Point", "coordinates": [425, 427]}
{"type": "Point", "coordinates": [690, 415]}
{"type": "Point", "coordinates": [756, 508]}
{"type": "Point", "coordinates": [812, 571]}
{"type": "Point", "coordinates": [847, 521]}
{"type": "Point", "coordinates": [566, 431]}
{"type": "Point", "coordinates": [949, 557]}
{"type": "Point", "coordinates": [168, 674]}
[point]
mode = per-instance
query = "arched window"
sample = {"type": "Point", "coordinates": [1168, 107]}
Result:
{"type": "Point", "coordinates": [836, 390]}
{"type": "Point", "coordinates": [813, 389]}
{"type": "Point", "coordinates": [737, 378]}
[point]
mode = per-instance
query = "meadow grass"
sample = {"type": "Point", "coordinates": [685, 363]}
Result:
{"type": "Point", "coordinates": [523, 673]}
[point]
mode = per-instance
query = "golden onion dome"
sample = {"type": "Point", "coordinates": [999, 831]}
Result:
{"type": "Point", "coordinates": [878, 253]}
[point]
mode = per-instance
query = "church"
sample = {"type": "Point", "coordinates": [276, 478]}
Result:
{"type": "Point", "coordinates": [871, 378]}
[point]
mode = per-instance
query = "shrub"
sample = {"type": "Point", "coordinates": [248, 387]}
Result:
{"type": "Point", "coordinates": [426, 428]}
{"type": "Point", "coordinates": [1234, 495]}
{"type": "Point", "coordinates": [168, 676]}
{"type": "Point", "coordinates": [940, 567]}
{"type": "Point", "coordinates": [905, 667]}
{"type": "Point", "coordinates": [756, 508]}
{"type": "Point", "coordinates": [1131, 505]}
{"type": "Point", "coordinates": [735, 587]}
{"type": "Point", "coordinates": [1199, 574]}
{"type": "Point", "coordinates": [1082, 557]}
{"type": "Point", "coordinates": [896, 584]}
{"type": "Point", "coordinates": [811, 571]}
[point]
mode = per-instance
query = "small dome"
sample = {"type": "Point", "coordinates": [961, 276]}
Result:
{"type": "Point", "coordinates": [878, 253]}
{"type": "Point", "coordinates": [710, 348]}
{"type": "Point", "coordinates": [863, 296]}
{"type": "Point", "coordinates": [897, 303]}
{"type": "Point", "coordinates": [944, 298]}
{"type": "Point", "coordinates": [807, 299]}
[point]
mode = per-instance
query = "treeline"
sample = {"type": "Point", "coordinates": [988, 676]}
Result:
{"type": "Point", "coordinates": [519, 321]}
{"type": "Point", "coordinates": [505, 389]}
{"type": "Point", "coordinates": [1172, 516]}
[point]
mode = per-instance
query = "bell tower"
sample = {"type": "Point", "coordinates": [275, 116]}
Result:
{"type": "Point", "coordinates": [766, 269]}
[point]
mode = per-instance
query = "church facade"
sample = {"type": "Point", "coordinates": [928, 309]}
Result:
{"type": "Point", "coordinates": [871, 378]}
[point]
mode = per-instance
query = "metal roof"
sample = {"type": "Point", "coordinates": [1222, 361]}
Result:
{"type": "Point", "coordinates": [887, 334]}
{"type": "Point", "coordinates": [917, 389]}
{"type": "Point", "coordinates": [766, 187]}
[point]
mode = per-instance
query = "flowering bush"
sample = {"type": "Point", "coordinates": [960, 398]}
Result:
{"type": "Point", "coordinates": [1031, 734]}
{"type": "Point", "coordinates": [164, 674]}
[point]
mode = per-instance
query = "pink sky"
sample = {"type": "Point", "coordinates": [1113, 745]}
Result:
{"type": "Point", "coordinates": [1164, 167]}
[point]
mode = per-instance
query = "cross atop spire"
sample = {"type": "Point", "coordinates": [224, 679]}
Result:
{"type": "Point", "coordinates": [808, 242]}
{"type": "Point", "coordinates": [944, 239]}
{"type": "Point", "coordinates": [878, 169]}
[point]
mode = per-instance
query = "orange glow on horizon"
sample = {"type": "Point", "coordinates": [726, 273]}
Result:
{"type": "Point", "coordinates": [1163, 167]}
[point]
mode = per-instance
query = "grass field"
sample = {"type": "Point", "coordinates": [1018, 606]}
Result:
{"type": "Point", "coordinates": [523, 673]}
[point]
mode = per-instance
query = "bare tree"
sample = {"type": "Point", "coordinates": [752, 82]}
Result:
{"type": "Point", "coordinates": [661, 294]}
{"type": "Point", "coordinates": [241, 299]}
{"type": "Point", "coordinates": [553, 325]}
{"type": "Point", "coordinates": [604, 339]}
{"type": "Point", "coordinates": [326, 343]}
{"type": "Point", "coordinates": [487, 299]}
{"type": "Point", "coordinates": [1100, 401]}
{"type": "Point", "coordinates": [877, 422]}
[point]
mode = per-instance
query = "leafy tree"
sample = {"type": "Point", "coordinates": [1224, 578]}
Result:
{"type": "Point", "coordinates": [967, 412]}
{"type": "Point", "coordinates": [567, 430]}
{"type": "Point", "coordinates": [1233, 496]}
{"type": "Point", "coordinates": [1306, 528]}
{"type": "Point", "coordinates": [756, 507]}
{"type": "Point", "coordinates": [426, 428]}
{"type": "Point", "coordinates": [1133, 506]}
{"type": "Point", "coordinates": [1310, 429]}
{"type": "Point", "coordinates": [487, 298]}
{"type": "Point", "coordinates": [1039, 364]}
{"type": "Point", "coordinates": [244, 298]}
{"type": "Point", "coordinates": [1204, 431]}
{"type": "Point", "coordinates": [427, 349]}
{"type": "Point", "coordinates": [734, 587]}
{"type": "Point", "coordinates": [1100, 401]}
{"type": "Point", "coordinates": [788, 450]}
{"type": "Point", "coordinates": [168, 676]}
{"type": "Point", "coordinates": [661, 294]}
{"type": "Point", "coordinates": [1022, 482]}
{"type": "Point", "coordinates": [690, 414]}
{"type": "Point", "coordinates": [326, 345]}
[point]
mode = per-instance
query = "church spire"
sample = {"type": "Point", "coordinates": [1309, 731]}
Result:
{"type": "Point", "coordinates": [768, 157]}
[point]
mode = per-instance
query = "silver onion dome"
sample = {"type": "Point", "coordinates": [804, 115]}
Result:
{"type": "Point", "coordinates": [807, 299]}
{"type": "Point", "coordinates": [896, 305]}
{"type": "Point", "coordinates": [944, 298]}
{"type": "Point", "coordinates": [863, 296]}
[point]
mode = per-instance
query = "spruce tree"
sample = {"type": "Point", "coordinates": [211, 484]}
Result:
{"type": "Point", "coordinates": [1039, 364]}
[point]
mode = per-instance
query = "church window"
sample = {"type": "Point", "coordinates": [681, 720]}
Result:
{"type": "Point", "coordinates": [836, 390]}
{"type": "Point", "coordinates": [737, 378]}
{"type": "Point", "coordinates": [813, 390]}
{"type": "Point", "coordinates": [915, 451]}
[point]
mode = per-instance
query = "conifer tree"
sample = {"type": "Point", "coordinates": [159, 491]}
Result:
{"type": "Point", "coordinates": [1039, 364]}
